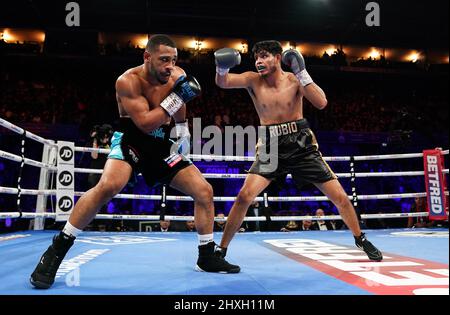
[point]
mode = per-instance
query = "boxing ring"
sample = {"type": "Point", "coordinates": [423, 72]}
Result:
{"type": "Point", "coordinates": [272, 263]}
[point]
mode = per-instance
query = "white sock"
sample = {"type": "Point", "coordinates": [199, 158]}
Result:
{"type": "Point", "coordinates": [205, 239]}
{"type": "Point", "coordinates": [70, 230]}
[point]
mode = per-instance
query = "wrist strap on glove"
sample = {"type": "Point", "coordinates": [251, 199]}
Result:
{"type": "Point", "coordinates": [222, 72]}
{"type": "Point", "coordinates": [304, 78]}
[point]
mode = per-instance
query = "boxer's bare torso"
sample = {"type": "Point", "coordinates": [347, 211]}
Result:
{"type": "Point", "coordinates": [134, 83]}
{"type": "Point", "coordinates": [278, 101]}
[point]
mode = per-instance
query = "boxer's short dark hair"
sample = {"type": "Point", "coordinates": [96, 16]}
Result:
{"type": "Point", "coordinates": [271, 46]}
{"type": "Point", "coordinates": [159, 39]}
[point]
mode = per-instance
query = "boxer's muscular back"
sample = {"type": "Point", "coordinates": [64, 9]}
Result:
{"type": "Point", "coordinates": [278, 104]}
{"type": "Point", "coordinates": [141, 88]}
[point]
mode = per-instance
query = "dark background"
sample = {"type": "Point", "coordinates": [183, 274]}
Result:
{"type": "Point", "coordinates": [404, 23]}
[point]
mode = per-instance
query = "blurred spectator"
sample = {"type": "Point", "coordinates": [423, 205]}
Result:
{"type": "Point", "coordinates": [291, 226]}
{"type": "Point", "coordinates": [322, 225]}
{"type": "Point", "coordinates": [101, 139]}
{"type": "Point", "coordinates": [190, 226]}
{"type": "Point", "coordinates": [307, 225]}
{"type": "Point", "coordinates": [164, 226]}
{"type": "Point", "coordinates": [252, 226]}
{"type": "Point", "coordinates": [219, 226]}
{"type": "Point", "coordinates": [377, 223]}
{"type": "Point", "coordinates": [419, 205]}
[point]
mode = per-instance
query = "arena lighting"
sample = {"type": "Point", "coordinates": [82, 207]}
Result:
{"type": "Point", "coordinates": [197, 44]}
{"type": "Point", "coordinates": [142, 41]}
{"type": "Point", "coordinates": [242, 47]}
{"type": "Point", "coordinates": [374, 54]}
{"type": "Point", "coordinates": [22, 36]}
{"type": "Point", "coordinates": [330, 51]}
{"type": "Point", "coordinates": [7, 37]}
{"type": "Point", "coordinates": [286, 46]}
{"type": "Point", "coordinates": [290, 45]}
{"type": "Point", "coordinates": [413, 57]}
{"type": "Point", "coordinates": [42, 37]}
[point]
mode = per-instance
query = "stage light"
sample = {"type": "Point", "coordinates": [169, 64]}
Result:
{"type": "Point", "coordinates": [413, 57]}
{"type": "Point", "coordinates": [374, 54]}
{"type": "Point", "coordinates": [8, 37]}
{"type": "Point", "coordinates": [330, 51]}
{"type": "Point", "coordinates": [197, 44]}
{"type": "Point", "coordinates": [142, 41]}
{"type": "Point", "coordinates": [242, 47]}
{"type": "Point", "coordinates": [286, 46]}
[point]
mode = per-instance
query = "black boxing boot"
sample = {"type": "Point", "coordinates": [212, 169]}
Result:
{"type": "Point", "coordinates": [372, 252]}
{"type": "Point", "coordinates": [44, 275]}
{"type": "Point", "coordinates": [220, 251]}
{"type": "Point", "coordinates": [210, 261]}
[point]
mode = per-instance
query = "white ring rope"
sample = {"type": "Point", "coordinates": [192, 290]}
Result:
{"type": "Point", "coordinates": [27, 215]}
{"type": "Point", "coordinates": [12, 191]}
{"type": "Point", "coordinates": [39, 139]}
{"type": "Point", "coordinates": [16, 158]}
{"type": "Point", "coordinates": [28, 192]}
{"type": "Point", "coordinates": [32, 215]}
{"type": "Point", "coordinates": [244, 176]}
{"type": "Point", "coordinates": [92, 150]}
{"type": "Point", "coordinates": [261, 199]}
{"type": "Point", "coordinates": [328, 159]}
{"type": "Point", "coordinates": [230, 158]}
{"type": "Point", "coordinates": [28, 134]}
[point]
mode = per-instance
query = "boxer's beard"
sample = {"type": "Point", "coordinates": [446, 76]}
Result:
{"type": "Point", "coordinates": [158, 76]}
{"type": "Point", "coordinates": [163, 81]}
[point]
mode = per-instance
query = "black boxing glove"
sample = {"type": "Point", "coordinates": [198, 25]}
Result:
{"type": "Point", "coordinates": [185, 89]}
{"type": "Point", "coordinates": [226, 58]}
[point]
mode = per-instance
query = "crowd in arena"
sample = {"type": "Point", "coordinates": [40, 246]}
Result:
{"type": "Point", "coordinates": [399, 104]}
{"type": "Point", "coordinates": [355, 104]}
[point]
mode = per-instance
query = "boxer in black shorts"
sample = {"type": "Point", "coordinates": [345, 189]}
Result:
{"type": "Point", "coordinates": [278, 99]}
{"type": "Point", "coordinates": [149, 97]}
{"type": "Point", "coordinates": [297, 154]}
{"type": "Point", "coordinates": [154, 155]}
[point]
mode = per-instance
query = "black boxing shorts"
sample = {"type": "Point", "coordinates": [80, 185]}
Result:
{"type": "Point", "coordinates": [149, 154]}
{"type": "Point", "coordinates": [297, 154]}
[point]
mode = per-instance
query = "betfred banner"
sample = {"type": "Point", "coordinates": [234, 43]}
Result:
{"type": "Point", "coordinates": [435, 184]}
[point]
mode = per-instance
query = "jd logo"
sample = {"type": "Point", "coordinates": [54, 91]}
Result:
{"type": "Point", "coordinates": [66, 153]}
{"type": "Point", "coordinates": [65, 178]}
{"type": "Point", "coordinates": [65, 204]}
